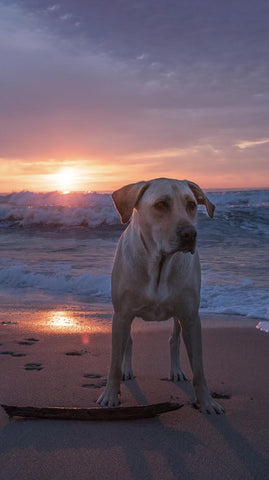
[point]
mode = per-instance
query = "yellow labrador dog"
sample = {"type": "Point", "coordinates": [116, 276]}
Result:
{"type": "Point", "coordinates": [156, 276]}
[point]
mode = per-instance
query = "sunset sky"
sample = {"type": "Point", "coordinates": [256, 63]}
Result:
{"type": "Point", "coordinates": [99, 93]}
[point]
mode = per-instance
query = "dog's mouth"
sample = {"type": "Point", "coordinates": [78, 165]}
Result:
{"type": "Point", "coordinates": [187, 249]}
{"type": "Point", "coordinates": [190, 249]}
{"type": "Point", "coordinates": [183, 249]}
{"type": "Point", "coordinates": [183, 242]}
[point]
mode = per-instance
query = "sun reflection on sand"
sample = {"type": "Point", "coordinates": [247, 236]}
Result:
{"type": "Point", "coordinates": [62, 320]}
{"type": "Point", "coordinates": [68, 322]}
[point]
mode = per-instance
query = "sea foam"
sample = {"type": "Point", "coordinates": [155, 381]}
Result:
{"type": "Point", "coordinates": [26, 209]}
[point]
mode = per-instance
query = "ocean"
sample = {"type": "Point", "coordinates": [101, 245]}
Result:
{"type": "Point", "coordinates": [57, 249]}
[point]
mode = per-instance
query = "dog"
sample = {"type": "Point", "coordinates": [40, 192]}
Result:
{"type": "Point", "coordinates": [156, 276]}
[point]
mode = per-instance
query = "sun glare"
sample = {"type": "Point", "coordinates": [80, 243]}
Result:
{"type": "Point", "coordinates": [65, 179]}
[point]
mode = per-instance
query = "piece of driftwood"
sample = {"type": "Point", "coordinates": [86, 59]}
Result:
{"type": "Point", "coordinates": [93, 414]}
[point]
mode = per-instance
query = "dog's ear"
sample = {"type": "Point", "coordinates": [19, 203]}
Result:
{"type": "Point", "coordinates": [126, 198]}
{"type": "Point", "coordinates": [202, 198]}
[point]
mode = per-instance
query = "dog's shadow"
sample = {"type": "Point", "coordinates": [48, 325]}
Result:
{"type": "Point", "coordinates": [141, 446]}
{"type": "Point", "coordinates": [137, 444]}
{"type": "Point", "coordinates": [255, 463]}
{"type": "Point", "coordinates": [140, 398]}
{"type": "Point", "coordinates": [186, 387]}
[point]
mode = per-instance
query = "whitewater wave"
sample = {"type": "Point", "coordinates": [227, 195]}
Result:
{"type": "Point", "coordinates": [28, 209]}
{"type": "Point", "coordinates": [52, 199]}
{"type": "Point", "coordinates": [235, 295]}
{"type": "Point", "coordinates": [18, 277]}
{"type": "Point", "coordinates": [240, 198]}
{"type": "Point", "coordinates": [242, 299]}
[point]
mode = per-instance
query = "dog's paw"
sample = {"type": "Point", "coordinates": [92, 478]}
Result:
{"type": "Point", "coordinates": [206, 404]}
{"type": "Point", "coordinates": [176, 375]}
{"type": "Point", "coordinates": [109, 397]}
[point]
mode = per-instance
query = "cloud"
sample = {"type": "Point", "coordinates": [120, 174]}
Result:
{"type": "Point", "coordinates": [135, 82]}
{"type": "Point", "coordinates": [248, 144]}
{"type": "Point", "coordinates": [66, 16]}
{"type": "Point", "coordinates": [54, 7]}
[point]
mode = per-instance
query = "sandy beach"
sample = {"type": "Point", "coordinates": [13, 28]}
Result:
{"type": "Point", "coordinates": [43, 364]}
{"type": "Point", "coordinates": [134, 143]}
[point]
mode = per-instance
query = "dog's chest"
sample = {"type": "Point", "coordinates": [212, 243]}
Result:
{"type": "Point", "coordinates": [155, 304]}
{"type": "Point", "coordinates": [154, 312]}
{"type": "Point", "coordinates": [158, 295]}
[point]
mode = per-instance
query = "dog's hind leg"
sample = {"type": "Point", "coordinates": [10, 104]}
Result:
{"type": "Point", "coordinates": [176, 374]}
{"type": "Point", "coordinates": [126, 368]}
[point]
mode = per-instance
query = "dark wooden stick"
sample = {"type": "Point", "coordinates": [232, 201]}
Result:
{"type": "Point", "coordinates": [97, 413]}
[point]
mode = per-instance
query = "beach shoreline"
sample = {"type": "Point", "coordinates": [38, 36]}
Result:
{"type": "Point", "coordinates": [50, 367]}
{"type": "Point", "coordinates": [74, 317]}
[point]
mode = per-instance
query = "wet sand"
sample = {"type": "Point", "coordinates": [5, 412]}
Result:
{"type": "Point", "coordinates": [62, 359]}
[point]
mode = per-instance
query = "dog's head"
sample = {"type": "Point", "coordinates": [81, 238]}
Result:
{"type": "Point", "coordinates": [166, 211]}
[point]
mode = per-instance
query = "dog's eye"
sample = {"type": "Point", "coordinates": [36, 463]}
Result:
{"type": "Point", "coordinates": [162, 205]}
{"type": "Point", "coordinates": [192, 206]}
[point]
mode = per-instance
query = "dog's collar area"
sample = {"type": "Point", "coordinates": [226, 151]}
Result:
{"type": "Point", "coordinates": [163, 257]}
{"type": "Point", "coordinates": [144, 242]}
{"type": "Point", "coordinates": [162, 254]}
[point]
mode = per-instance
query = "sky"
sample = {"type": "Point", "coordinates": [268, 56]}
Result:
{"type": "Point", "coordinates": [96, 94]}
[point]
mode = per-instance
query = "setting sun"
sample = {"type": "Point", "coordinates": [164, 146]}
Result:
{"type": "Point", "coordinates": [66, 179]}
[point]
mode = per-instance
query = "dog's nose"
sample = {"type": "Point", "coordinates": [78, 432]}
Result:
{"type": "Point", "coordinates": [187, 238]}
{"type": "Point", "coordinates": [188, 234]}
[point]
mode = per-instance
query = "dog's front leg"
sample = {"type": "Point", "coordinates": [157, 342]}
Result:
{"type": "Point", "coordinates": [193, 341]}
{"type": "Point", "coordinates": [176, 374]}
{"type": "Point", "coordinates": [120, 334]}
{"type": "Point", "coordinates": [126, 369]}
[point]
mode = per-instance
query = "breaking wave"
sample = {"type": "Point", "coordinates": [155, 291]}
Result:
{"type": "Point", "coordinates": [60, 281]}
{"type": "Point", "coordinates": [28, 209]}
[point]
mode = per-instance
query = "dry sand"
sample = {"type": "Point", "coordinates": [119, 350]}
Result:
{"type": "Point", "coordinates": [183, 444]}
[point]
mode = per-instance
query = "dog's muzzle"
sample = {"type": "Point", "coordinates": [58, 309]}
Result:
{"type": "Point", "coordinates": [187, 238]}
